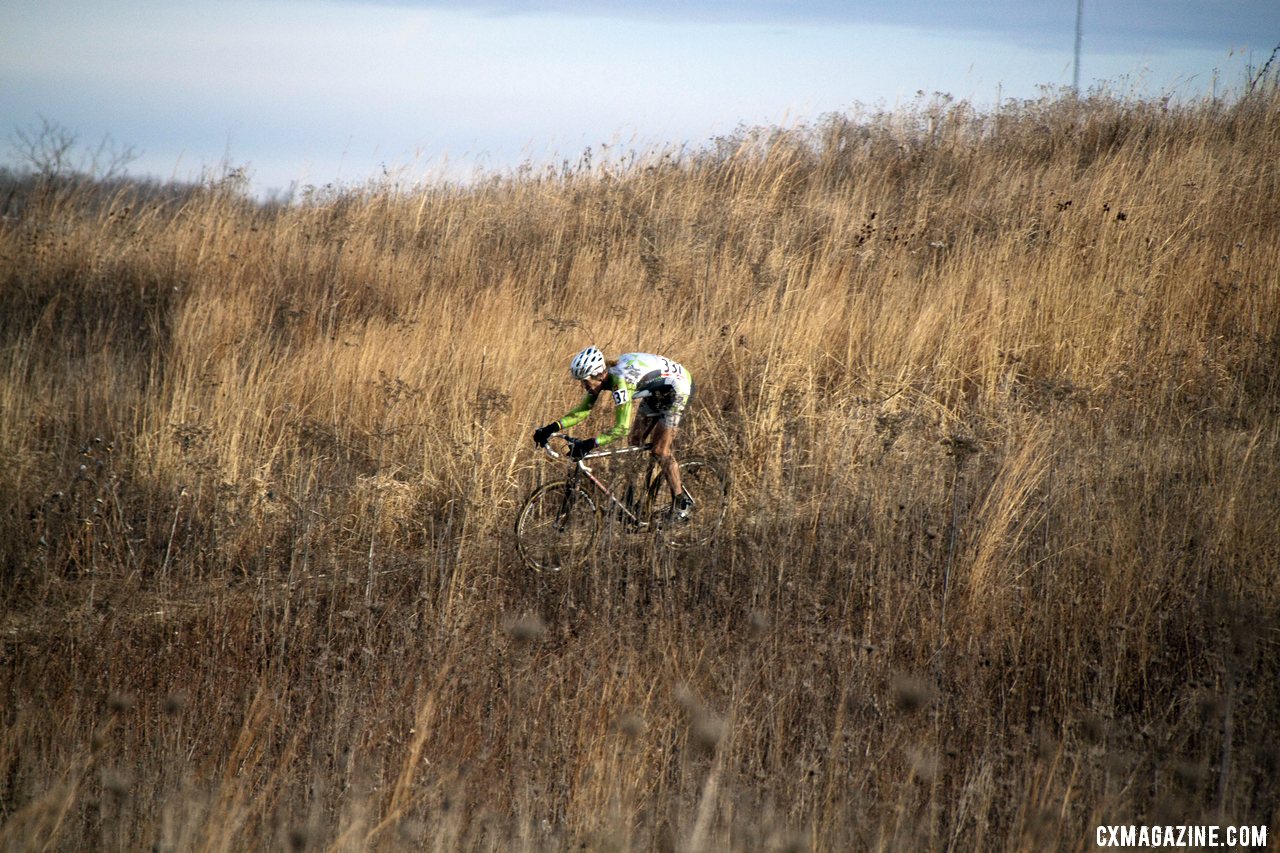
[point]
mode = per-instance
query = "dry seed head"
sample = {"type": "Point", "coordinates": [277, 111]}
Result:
{"type": "Point", "coordinates": [631, 724]}
{"type": "Point", "coordinates": [924, 764]}
{"type": "Point", "coordinates": [298, 838]}
{"type": "Point", "coordinates": [1169, 809]}
{"type": "Point", "coordinates": [1191, 774]}
{"type": "Point", "coordinates": [1120, 761]}
{"type": "Point", "coordinates": [116, 783]}
{"type": "Point", "coordinates": [794, 842]}
{"type": "Point", "coordinates": [174, 703]}
{"type": "Point", "coordinates": [961, 446]}
{"type": "Point", "coordinates": [1046, 747]}
{"type": "Point", "coordinates": [706, 732]}
{"type": "Point", "coordinates": [526, 629]}
{"type": "Point", "coordinates": [412, 832]}
{"type": "Point", "coordinates": [686, 698]}
{"type": "Point", "coordinates": [1093, 729]}
{"type": "Point", "coordinates": [119, 703]}
{"type": "Point", "coordinates": [1267, 759]}
{"type": "Point", "coordinates": [1210, 706]}
{"type": "Point", "coordinates": [911, 693]}
{"type": "Point", "coordinates": [1041, 822]}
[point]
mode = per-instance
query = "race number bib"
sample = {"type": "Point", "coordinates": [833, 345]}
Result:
{"type": "Point", "coordinates": [620, 396]}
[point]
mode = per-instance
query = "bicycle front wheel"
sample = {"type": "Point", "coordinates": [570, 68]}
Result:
{"type": "Point", "coordinates": [709, 486]}
{"type": "Point", "coordinates": [556, 527]}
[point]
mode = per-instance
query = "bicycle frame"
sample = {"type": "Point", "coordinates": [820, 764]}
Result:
{"type": "Point", "coordinates": [581, 469]}
{"type": "Point", "coordinates": [552, 535]}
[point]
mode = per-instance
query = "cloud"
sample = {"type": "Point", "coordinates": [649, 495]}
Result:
{"type": "Point", "coordinates": [343, 86]}
{"type": "Point", "coordinates": [1110, 25]}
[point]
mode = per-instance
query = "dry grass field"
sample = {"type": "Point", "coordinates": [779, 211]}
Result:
{"type": "Point", "coordinates": [1000, 394]}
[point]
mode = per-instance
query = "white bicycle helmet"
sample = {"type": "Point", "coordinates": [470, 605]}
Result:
{"type": "Point", "coordinates": [587, 363]}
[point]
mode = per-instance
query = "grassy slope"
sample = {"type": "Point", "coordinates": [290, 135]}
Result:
{"type": "Point", "coordinates": [1000, 393]}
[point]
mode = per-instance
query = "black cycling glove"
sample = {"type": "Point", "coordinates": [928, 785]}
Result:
{"type": "Point", "coordinates": [580, 449]}
{"type": "Point", "coordinates": [542, 434]}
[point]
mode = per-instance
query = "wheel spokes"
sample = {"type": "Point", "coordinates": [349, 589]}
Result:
{"type": "Point", "coordinates": [557, 528]}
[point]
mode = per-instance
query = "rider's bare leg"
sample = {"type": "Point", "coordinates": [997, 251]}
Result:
{"type": "Point", "coordinates": [663, 437]}
{"type": "Point", "coordinates": [640, 429]}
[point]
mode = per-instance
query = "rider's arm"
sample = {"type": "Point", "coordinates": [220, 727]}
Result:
{"type": "Point", "coordinates": [579, 412]}
{"type": "Point", "coordinates": [623, 405]}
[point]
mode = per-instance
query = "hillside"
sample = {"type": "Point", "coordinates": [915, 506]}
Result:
{"type": "Point", "coordinates": [999, 393]}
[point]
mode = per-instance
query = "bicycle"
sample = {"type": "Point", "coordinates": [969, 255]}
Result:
{"type": "Point", "coordinates": [557, 526]}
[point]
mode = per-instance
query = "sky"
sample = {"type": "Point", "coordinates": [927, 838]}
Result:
{"type": "Point", "coordinates": [317, 92]}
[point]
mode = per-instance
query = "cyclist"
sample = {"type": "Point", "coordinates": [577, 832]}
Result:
{"type": "Point", "coordinates": [662, 387]}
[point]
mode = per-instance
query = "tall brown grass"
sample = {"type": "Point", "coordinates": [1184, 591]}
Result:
{"type": "Point", "coordinates": [999, 395]}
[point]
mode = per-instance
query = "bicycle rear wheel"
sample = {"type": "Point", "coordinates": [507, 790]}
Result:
{"type": "Point", "coordinates": [709, 486]}
{"type": "Point", "coordinates": [556, 527]}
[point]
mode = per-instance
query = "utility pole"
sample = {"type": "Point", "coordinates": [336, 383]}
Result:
{"type": "Point", "coordinates": [1075, 72]}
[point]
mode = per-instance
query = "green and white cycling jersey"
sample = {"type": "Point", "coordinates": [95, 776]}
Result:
{"type": "Point", "coordinates": [660, 386]}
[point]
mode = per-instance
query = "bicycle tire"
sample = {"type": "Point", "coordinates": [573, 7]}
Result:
{"type": "Point", "coordinates": [551, 536]}
{"type": "Point", "coordinates": [709, 486]}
